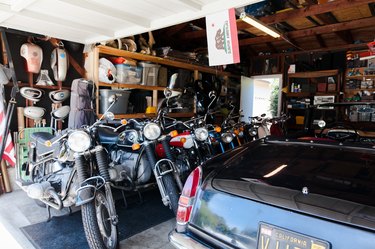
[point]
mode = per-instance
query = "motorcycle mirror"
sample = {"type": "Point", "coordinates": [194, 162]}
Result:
{"type": "Point", "coordinates": [109, 116]}
{"type": "Point", "coordinates": [112, 99]}
{"type": "Point", "coordinates": [212, 94]}
{"type": "Point", "coordinates": [167, 92]}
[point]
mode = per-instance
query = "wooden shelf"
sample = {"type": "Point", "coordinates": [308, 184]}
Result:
{"type": "Point", "coordinates": [360, 77]}
{"type": "Point", "coordinates": [359, 89]}
{"type": "Point", "coordinates": [314, 74]}
{"type": "Point", "coordinates": [167, 62]}
{"type": "Point", "coordinates": [37, 86]}
{"type": "Point", "coordinates": [132, 86]}
{"type": "Point", "coordinates": [301, 94]}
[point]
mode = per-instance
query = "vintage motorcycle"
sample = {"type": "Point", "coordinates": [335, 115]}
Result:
{"type": "Point", "coordinates": [71, 169]}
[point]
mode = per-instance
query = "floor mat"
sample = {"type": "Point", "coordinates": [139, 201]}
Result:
{"type": "Point", "coordinates": [67, 232]}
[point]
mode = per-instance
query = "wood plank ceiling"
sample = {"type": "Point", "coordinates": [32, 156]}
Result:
{"type": "Point", "coordinates": [307, 26]}
{"type": "Point", "coordinates": [91, 21]}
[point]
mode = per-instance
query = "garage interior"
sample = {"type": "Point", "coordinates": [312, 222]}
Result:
{"type": "Point", "coordinates": [325, 53]}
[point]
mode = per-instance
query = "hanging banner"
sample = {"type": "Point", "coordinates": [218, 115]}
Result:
{"type": "Point", "coordinates": [222, 38]}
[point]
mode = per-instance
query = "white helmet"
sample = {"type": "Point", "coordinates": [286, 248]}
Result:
{"type": "Point", "coordinates": [33, 55]}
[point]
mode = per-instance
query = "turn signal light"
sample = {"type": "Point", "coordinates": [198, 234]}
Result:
{"type": "Point", "coordinates": [236, 132]}
{"type": "Point", "coordinates": [183, 140]}
{"type": "Point", "coordinates": [136, 146]}
{"type": "Point", "coordinates": [186, 201]}
{"type": "Point", "coordinates": [48, 143]}
{"type": "Point", "coordinates": [173, 133]}
{"type": "Point", "coordinates": [124, 121]}
{"type": "Point", "coordinates": [218, 129]}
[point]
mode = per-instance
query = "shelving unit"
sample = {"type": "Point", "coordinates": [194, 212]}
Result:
{"type": "Point", "coordinates": [358, 79]}
{"type": "Point", "coordinates": [308, 82]}
{"type": "Point", "coordinates": [104, 51]}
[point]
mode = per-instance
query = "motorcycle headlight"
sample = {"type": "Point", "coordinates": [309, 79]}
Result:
{"type": "Point", "coordinates": [201, 134]}
{"type": "Point", "coordinates": [152, 131]}
{"type": "Point", "coordinates": [79, 141]}
{"type": "Point", "coordinates": [226, 137]}
{"type": "Point", "coordinates": [321, 123]}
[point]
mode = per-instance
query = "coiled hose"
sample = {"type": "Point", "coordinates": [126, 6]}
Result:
{"type": "Point", "coordinates": [101, 159]}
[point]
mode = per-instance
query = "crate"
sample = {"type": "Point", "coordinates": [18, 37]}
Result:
{"type": "Point", "coordinates": [121, 105]}
{"type": "Point", "coordinates": [149, 74]}
{"type": "Point", "coordinates": [22, 151]}
{"type": "Point", "coordinates": [128, 74]}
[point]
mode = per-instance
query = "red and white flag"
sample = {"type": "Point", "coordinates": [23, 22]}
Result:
{"type": "Point", "coordinates": [222, 38]}
{"type": "Point", "coordinates": [9, 152]}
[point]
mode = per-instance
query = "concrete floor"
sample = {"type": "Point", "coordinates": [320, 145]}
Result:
{"type": "Point", "coordinates": [18, 210]}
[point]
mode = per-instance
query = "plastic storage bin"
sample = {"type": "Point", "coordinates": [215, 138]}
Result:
{"type": "Point", "coordinates": [149, 74]}
{"type": "Point", "coordinates": [128, 74]}
{"type": "Point", "coordinates": [121, 105]}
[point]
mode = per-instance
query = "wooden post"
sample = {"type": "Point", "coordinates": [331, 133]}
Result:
{"type": "Point", "coordinates": [7, 186]}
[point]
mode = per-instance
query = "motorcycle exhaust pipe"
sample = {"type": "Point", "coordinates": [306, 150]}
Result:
{"type": "Point", "coordinates": [43, 192]}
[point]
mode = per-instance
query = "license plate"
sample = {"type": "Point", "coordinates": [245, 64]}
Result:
{"type": "Point", "coordinates": [272, 237]}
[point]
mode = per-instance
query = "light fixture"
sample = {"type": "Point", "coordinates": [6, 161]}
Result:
{"type": "Point", "coordinates": [259, 25]}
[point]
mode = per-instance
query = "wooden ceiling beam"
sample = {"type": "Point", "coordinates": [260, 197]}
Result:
{"type": "Point", "coordinates": [327, 49]}
{"type": "Point", "coordinates": [329, 18]}
{"type": "Point", "coordinates": [313, 10]}
{"type": "Point", "coordinates": [354, 24]}
{"type": "Point", "coordinates": [321, 41]}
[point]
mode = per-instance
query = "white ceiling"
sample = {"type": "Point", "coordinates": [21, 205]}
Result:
{"type": "Point", "coordinates": [91, 21]}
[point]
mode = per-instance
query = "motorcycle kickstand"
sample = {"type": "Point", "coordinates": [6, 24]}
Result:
{"type": "Point", "coordinates": [140, 197]}
{"type": "Point", "coordinates": [124, 198]}
{"type": "Point", "coordinates": [49, 216]}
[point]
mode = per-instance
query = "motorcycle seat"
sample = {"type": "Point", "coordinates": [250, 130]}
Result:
{"type": "Point", "coordinates": [107, 135]}
{"type": "Point", "coordinates": [41, 136]}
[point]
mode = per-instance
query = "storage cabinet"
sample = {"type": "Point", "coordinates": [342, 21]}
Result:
{"type": "Point", "coordinates": [92, 62]}
{"type": "Point", "coordinates": [310, 88]}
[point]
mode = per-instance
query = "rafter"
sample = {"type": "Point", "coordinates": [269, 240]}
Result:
{"type": "Point", "coordinates": [361, 23]}
{"type": "Point", "coordinates": [313, 10]}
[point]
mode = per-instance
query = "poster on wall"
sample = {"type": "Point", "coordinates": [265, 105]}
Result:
{"type": "Point", "coordinates": [222, 38]}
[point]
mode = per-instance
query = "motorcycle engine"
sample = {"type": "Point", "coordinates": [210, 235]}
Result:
{"type": "Point", "coordinates": [129, 166]}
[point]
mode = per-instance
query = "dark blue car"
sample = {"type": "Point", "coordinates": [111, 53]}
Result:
{"type": "Point", "coordinates": [273, 194]}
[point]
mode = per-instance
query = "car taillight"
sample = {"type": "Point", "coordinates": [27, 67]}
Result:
{"type": "Point", "coordinates": [185, 204]}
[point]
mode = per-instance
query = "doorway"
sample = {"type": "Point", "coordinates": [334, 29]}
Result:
{"type": "Point", "coordinates": [261, 94]}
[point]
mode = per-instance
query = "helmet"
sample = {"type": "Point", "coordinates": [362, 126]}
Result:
{"type": "Point", "coordinates": [59, 63]}
{"type": "Point", "coordinates": [33, 55]}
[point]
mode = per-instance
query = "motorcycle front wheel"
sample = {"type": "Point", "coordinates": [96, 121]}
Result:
{"type": "Point", "coordinates": [171, 191]}
{"type": "Point", "coordinates": [100, 232]}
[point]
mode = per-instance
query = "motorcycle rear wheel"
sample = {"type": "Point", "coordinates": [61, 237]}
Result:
{"type": "Point", "coordinates": [171, 190]}
{"type": "Point", "coordinates": [100, 232]}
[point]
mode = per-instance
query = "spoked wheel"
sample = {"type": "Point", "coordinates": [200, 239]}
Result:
{"type": "Point", "coordinates": [100, 231]}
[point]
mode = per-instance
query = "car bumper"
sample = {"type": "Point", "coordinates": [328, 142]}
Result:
{"type": "Point", "coordinates": [182, 241]}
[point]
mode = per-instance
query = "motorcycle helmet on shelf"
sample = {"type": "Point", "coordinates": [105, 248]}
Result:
{"type": "Point", "coordinates": [33, 55]}
{"type": "Point", "coordinates": [59, 62]}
